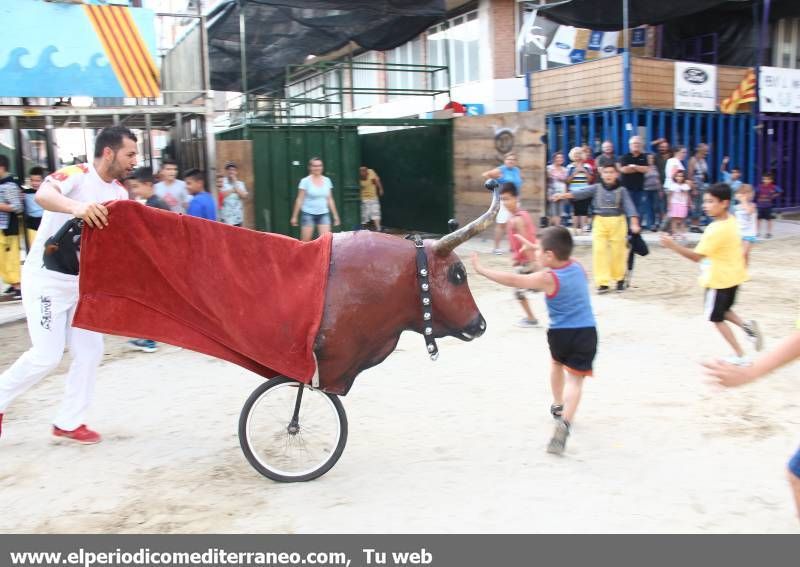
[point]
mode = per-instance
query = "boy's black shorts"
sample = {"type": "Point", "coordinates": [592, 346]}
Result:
{"type": "Point", "coordinates": [765, 213]}
{"type": "Point", "coordinates": [719, 302]}
{"type": "Point", "coordinates": [574, 348]}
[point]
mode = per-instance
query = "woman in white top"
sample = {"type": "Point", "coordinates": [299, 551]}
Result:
{"type": "Point", "coordinates": [315, 202]}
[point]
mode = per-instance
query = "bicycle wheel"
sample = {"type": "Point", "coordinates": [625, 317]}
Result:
{"type": "Point", "coordinates": [290, 432]}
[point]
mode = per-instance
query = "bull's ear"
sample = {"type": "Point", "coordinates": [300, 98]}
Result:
{"type": "Point", "coordinates": [448, 242]}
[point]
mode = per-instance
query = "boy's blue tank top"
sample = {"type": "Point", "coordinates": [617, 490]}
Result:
{"type": "Point", "coordinates": [570, 307]}
{"type": "Point", "coordinates": [510, 175]}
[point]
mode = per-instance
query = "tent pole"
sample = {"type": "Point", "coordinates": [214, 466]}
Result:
{"type": "Point", "coordinates": [243, 51]}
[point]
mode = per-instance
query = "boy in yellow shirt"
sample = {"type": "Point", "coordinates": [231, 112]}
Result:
{"type": "Point", "coordinates": [723, 270]}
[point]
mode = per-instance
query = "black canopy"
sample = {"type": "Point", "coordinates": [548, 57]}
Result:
{"type": "Point", "coordinates": [283, 32]}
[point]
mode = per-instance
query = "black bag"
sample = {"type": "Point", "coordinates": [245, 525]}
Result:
{"type": "Point", "coordinates": [13, 225]}
{"type": "Point", "coordinates": [61, 250]}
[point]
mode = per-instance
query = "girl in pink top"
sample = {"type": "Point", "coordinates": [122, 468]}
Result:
{"type": "Point", "coordinates": [679, 202]}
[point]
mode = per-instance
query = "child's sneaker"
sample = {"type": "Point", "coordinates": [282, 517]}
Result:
{"type": "Point", "coordinates": [754, 334]}
{"type": "Point", "coordinates": [497, 252]}
{"type": "Point", "coordinates": [82, 435]}
{"type": "Point", "coordinates": [527, 323]}
{"type": "Point", "coordinates": [602, 289]}
{"type": "Point", "coordinates": [620, 286]}
{"type": "Point", "coordinates": [559, 441]}
{"type": "Point", "coordinates": [556, 410]}
{"type": "Point", "coordinates": [144, 345]}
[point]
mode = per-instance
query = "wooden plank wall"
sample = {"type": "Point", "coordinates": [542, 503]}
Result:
{"type": "Point", "coordinates": [653, 82]}
{"type": "Point", "coordinates": [239, 152]}
{"type": "Point", "coordinates": [594, 84]}
{"type": "Point", "coordinates": [479, 143]}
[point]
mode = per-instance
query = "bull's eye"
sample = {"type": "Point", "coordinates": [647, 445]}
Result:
{"type": "Point", "coordinates": [457, 274]}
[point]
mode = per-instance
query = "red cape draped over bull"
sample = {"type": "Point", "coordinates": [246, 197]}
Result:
{"type": "Point", "coordinates": [251, 298]}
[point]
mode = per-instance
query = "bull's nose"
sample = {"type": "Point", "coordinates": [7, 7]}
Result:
{"type": "Point", "coordinates": [474, 329]}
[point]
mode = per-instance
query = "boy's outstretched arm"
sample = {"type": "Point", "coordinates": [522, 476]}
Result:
{"type": "Point", "coordinates": [731, 375]}
{"type": "Point", "coordinates": [668, 242]}
{"type": "Point", "coordinates": [539, 280]}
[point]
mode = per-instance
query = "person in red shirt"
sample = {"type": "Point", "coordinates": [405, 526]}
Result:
{"type": "Point", "coordinates": [765, 199]}
{"type": "Point", "coordinates": [523, 259]}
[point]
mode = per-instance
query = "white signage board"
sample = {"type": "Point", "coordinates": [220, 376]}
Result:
{"type": "Point", "coordinates": [695, 86]}
{"type": "Point", "coordinates": [779, 90]}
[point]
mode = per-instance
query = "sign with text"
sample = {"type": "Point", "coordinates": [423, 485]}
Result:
{"type": "Point", "coordinates": [695, 86]}
{"type": "Point", "coordinates": [779, 90]}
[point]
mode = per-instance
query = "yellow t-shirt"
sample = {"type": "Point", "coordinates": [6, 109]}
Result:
{"type": "Point", "coordinates": [369, 191]}
{"type": "Point", "coordinates": [721, 244]}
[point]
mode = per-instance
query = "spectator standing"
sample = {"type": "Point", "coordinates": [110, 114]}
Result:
{"type": "Point", "coordinates": [579, 175]}
{"type": "Point", "coordinates": [767, 193]}
{"type": "Point", "coordinates": [232, 195]}
{"type": "Point", "coordinates": [371, 191]}
{"type": "Point", "coordinates": [653, 185]}
{"type": "Point", "coordinates": [202, 204]}
{"type": "Point", "coordinates": [587, 152]}
{"type": "Point", "coordinates": [315, 202]}
{"type": "Point", "coordinates": [606, 156]}
{"type": "Point", "coordinates": [698, 178]}
{"type": "Point", "coordinates": [10, 208]}
{"type": "Point", "coordinates": [633, 166]}
{"type": "Point", "coordinates": [508, 172]}
{"type": "Point", "coordinates": [172, 190]}
{"type": "Point", "coordinates": [674, 164]}
{"type": "Point", "coordinates": [33, 211]}
{"type": "Point", "coordinates": [679, 191]}
{"type": "Point", "coordinates": [556, 185]}
{"type": "Point", "coordinates": [141, 185]}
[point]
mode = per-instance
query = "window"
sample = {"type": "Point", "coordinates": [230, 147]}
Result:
{"type": "Point", "coordinates": [365, 76]}
{"type": "Point", "coordinates": [786, 46]}
{"type": "Point", "coordinates": [455, 43]}
{"type": "Point", "coordinates": [410, 53]}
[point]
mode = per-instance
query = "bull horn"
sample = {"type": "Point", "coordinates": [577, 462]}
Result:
{"type": "Point", "coordinates": [448, 242]}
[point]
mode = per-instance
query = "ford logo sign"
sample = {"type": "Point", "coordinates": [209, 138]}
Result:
{"type": "Point", "coordinates": [695, 76]}
{"type": "Point", "coordinates": [562, 45]}
{"type": "Point", "coordinates": [609, 48]}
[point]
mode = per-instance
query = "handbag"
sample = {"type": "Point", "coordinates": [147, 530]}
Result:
{"type": "Point", "coordinates": [61, 250]}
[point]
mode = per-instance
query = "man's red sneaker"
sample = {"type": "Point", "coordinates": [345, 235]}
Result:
{"type": "Point", "coordinates": [82, 435]}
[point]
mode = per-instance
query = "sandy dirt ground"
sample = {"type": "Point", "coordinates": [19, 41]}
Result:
{"type": "Point", "coordinates": [451, 446]}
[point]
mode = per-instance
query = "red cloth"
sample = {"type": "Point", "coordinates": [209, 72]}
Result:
{"type": "Point", "coordinates": [251, 298]}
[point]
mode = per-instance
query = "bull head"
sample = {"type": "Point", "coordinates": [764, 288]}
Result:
{"type": "Point", "coordinates": [448, 242]}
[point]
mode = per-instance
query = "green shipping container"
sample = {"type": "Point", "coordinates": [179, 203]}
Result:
{"type": "Point", "coordinates": [280, 156]}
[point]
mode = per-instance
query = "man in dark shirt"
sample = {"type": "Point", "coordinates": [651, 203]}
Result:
{"type": "Point", "coordinates": [633, 166]}
{"type": "Point", "coordinates": [606, 157]}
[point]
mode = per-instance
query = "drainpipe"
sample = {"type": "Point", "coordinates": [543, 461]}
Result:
{"type": "Point", "coordinates": [626, 69]}
{"type": "Point", "coordinates": [761, 47]}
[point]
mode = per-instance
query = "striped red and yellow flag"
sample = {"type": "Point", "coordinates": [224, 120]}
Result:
{"type": "Point", "coordinates": [125, 50]}
{"type": "Point", "coordinates": [745, 92]}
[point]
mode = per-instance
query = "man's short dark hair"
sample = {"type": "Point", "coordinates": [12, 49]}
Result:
{"type": "Point", "coordinates": [4, 163]}
{"type": "Point", "coordinates": [611, 165]}
{"type": "Point", "coordinates": [143, 175]}
{"type": "Point", "coordinates": [557, 240]}
{"type": "Point", "coordinates": [112, 137]}
{"type": "Point", "coordinates": [195, 174]}
{"type": "Point", "coordinates": [231, 165]}
{"type": "Point", "coordinates": [736, 168]}
{"type": "Point", "coordinates": [721, 191]}
{"type": "Point", "coordinates": [765, 174]}
{"type": "Point", "coordinates": [36, 170]}
{"type": "Point", "coordinates": [168, 161]}
{"type": "Point", "coordinates": [508, 187]}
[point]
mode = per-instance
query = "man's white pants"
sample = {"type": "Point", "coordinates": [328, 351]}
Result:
{"type": "Point", "coordinates": [49, 306]}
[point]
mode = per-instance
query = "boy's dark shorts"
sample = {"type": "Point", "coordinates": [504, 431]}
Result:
{"type": "Point", "coordinates": [719, 302]}
{"type": "Point", "coordinates": [765, 213]}
{"type": "Point", "coordinates": [794, 464]}
{"type": "Point", "coordinates": [574, 348]}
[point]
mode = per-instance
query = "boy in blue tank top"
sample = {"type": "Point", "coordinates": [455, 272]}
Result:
{"type": "Point", "coordinates": [572, 335]}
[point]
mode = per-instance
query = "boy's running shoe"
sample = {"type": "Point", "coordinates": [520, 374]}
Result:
{"type": "Point", "coordinates": [754, 334]}
{"type": "Point", "coordinates": [144, 345]}
{"type": "Point", "coordinates": [602, 289]}
{"type": "Point", "coordinates": [737, 360]}
{"type": "Point", "coordinates": [559, 441]}
{"type": "Point", "coordinates": [620, 286]}
{"type": "Point", "coordinates": [526, 323]}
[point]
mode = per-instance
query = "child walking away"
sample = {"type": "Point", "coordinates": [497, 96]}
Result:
{"type": "Point", "coordinates": [723, 269]}
{"type": "Point", "coordinates": [679, 203]}
{"type": "Point", "coordinates": [612, 207]}
{"type": "Point", "coordinates": [524, 261]}
{"type": "Point", "coordinates": [729, 375]}
{"type": "Point", "coordinates": [572, 335]}
{"type": "Point", "coordinates": [767, 193]}
{"type": "Point", "coordinates": [746, 216]}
